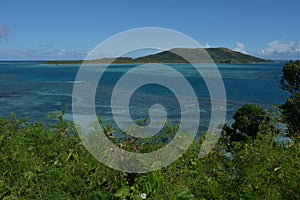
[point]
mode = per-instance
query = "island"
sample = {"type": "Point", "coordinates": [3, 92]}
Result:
{"type": "Point", "coordinates": [218, 55]}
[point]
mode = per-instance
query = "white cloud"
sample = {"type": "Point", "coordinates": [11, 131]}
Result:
{"type": "Point", "coordinates": [240, 47]}
{"type": "Point", "coordinates": [207, 45]}
{"type": "Point", "coordinates": [278, 47]}
{"type": "Point", "coordinates": [281, 50]}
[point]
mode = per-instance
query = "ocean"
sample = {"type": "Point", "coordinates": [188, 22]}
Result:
{"type": "Point", "coordinates": [33, 90]}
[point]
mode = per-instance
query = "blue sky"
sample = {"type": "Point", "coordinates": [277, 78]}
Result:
{"type": "Point", "coordinates": [61, 29]}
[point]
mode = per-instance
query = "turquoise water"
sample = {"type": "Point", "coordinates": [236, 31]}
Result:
{"type": "Point", "coordinates": [33, 89]}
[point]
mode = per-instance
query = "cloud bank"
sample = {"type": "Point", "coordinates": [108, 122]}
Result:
{"type": "Point", "coordinates": [280, 50]}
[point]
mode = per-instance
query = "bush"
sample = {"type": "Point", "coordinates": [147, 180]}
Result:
{"type": "Point", "coordinates": [247, 123]}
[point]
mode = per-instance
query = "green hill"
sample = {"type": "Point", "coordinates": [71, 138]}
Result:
{"type": "Point", "coordinates": [224, 55]}
{"type": "Point", "coordinates": [219, 55]}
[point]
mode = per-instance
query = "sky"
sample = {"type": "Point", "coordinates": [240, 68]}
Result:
{"type": "Point", "coordinates": [62, 29]}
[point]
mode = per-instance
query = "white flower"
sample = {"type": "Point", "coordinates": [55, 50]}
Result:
{"type": "Point", "coordinates": [143, 195]}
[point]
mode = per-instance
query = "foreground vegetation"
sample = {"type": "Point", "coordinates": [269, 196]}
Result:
{"type": "Point", "coordinates": [42, 163]}
{"type": "Point", "coordinates": [39, 161]}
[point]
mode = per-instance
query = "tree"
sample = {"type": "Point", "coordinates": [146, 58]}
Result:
{"type": "Point", "coordinates": [290, 110]}
{"type": "Point", "coordinates": [248, 118]}
{"type": "Point", "coordinates": [247, 121]}
{"type": "Point", "coordinates": [290, 80]}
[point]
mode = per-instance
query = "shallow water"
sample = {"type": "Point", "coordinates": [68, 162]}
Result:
{"type": "Point", "coordinates": [33, 89]}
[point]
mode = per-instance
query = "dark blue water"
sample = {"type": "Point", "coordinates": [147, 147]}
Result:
{"type": "Point", "coordinates": [33, 90]}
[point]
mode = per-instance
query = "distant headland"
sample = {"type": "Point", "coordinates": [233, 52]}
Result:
{"type": "Point", "coordinates": [219, 55]}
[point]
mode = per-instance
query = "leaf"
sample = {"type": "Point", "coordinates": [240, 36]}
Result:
{"type": "Point", "coordinates": [29, 175]}
{"type": "Point", "coordinates": [122, 192]}
{"type": "Point", "coordinates": [185, 193]}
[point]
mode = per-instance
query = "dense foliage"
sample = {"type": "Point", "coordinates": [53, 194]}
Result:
{"type": "Point", "coordinates": [246, 125]}
{"type": "Point", "coordinates": [45, 163]}
{"type": "Point", "coordinates": [290, 82]}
